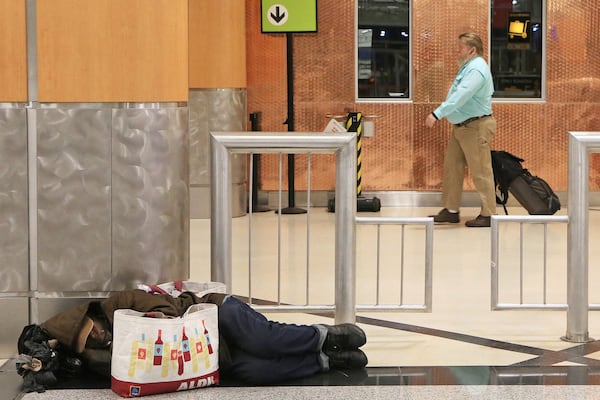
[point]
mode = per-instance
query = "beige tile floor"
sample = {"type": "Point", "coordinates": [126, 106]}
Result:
{"type": "Point", "coordinates": [457, 332]}
{"type": "Point", "coordinates": [461, 281]}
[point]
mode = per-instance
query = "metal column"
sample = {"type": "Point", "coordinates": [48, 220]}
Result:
{"type": "Point", "coordinates": [580, 145]}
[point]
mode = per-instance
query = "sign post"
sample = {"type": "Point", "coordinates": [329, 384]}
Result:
{"type": "Point", "coordinates": [289, 16]}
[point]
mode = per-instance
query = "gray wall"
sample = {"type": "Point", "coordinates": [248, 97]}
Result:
{"type": "Point", "coordinates": [216, 110]}
{"type": "Point", "coordinates": [94, 198]}
{"type": "Point", "coordinates": [14, 227]}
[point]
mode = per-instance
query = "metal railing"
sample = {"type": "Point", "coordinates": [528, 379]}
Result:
{"type": "Point", "coordinates": [224, 144]}
{"type": "Point", "coordinates": [425, 306]}
{"type": "Point", "coordinates": [495, 262]}
{"type": "Point", "coordinates": [580, 145]}
{"type": "Point", "coordinates": [343, 145]}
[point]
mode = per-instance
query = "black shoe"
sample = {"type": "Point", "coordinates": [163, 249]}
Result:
{"type": "Point", "coordinates": [479, 222]}
{"type": "Point", "coordinates": [446, 216]}
{"type": "Point", "coordinates": [343, 337]}
{"type": "Point", "coordinates": [347, 359]}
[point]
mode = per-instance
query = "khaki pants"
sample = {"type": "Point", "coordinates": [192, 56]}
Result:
{"type": "Point", "coordinates": [470, 146]}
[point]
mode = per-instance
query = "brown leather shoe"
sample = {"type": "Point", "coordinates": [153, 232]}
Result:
{"type": "Point", "coordinates": [479, 222]}
{"type": "Point", "coordinates": [446, 216]}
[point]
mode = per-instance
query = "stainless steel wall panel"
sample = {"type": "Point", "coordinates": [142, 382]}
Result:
{"type": "Point", "coordinates": [199, 108]}
{"type": "Point", "coordinates": [11, 324]}
{"type": "Point", "coordinates": [73, 184]}
{"type": "Point", "coordinates": [215, 110]}
{"type": "Point", "coordinates": [150, 198]}
{"type": "Point", "coordinates": [99, 204]}
{"type": "Point", "coordinates": [14, 232]}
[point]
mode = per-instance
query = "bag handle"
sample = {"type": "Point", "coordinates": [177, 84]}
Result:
{"type": "Point", "coordinates": [178, 284]}
{"type": "Point", "coordinates": [157, 289]}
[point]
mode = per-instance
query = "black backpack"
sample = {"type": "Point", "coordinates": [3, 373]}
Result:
{"type": "Point", "coordinates": [506, 168]}
{"type": "Point", "coordinates": [532, 192]}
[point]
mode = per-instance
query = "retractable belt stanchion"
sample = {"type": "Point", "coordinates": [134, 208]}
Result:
{"type": "Point", "coordinates": [255, 126]}
{"type": "Point", "coordinates": [354, 123]}
{"type": "Point", "coordinates": [291, 208]}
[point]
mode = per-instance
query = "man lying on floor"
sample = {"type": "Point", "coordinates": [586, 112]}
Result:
{"type": "Point", "coordinates": [252, 348]}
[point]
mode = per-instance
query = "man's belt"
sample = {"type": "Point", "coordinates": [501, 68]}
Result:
{"type": "Point", "coordinates": [467, 121]}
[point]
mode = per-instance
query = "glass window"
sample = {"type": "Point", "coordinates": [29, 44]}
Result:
{"type": "Point", "coordinates": [383, 56]}
{"type": "Point", "coordinates": [517, 48]}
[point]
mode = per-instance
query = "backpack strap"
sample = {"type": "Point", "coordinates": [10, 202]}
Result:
{"type": "Point", "coordinates": [503, 198]}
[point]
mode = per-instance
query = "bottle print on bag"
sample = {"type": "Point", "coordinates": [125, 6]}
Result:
{"type": "Point", "coordinates": [201, 348]}
{"type": "Point", "coordinates": [193, 354]}
{"type": "Point", "coordinates": [158, 349]}
{"type": "Point", "coordinates": [149, 351]}
{"type": "Point", "coordinates": [208, 345]}
{"type": "Point", "coordinates": [134, 357]}
{"type": "Point", "coordinates": [166, 361]}
{"type": "Point", "coordinates": [174, 354]}
{"type": "Point", "coordinates": [185, 343]}
{"type": "Point", "coordinates": [169, 356]}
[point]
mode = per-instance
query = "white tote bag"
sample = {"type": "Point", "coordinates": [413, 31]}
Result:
{"type": "Point", "coordinates": [161, 355]}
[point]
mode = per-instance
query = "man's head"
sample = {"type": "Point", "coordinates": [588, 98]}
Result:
{"type": "Point", "coordinates": [93, 335]}
{"type": "Point", "coordinates": [469, 46]}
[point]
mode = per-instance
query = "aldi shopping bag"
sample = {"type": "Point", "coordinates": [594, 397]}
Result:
{"type": "Point", "coordinates": [153, 355]}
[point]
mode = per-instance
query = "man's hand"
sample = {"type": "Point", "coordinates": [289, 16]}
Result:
{"type": "Point", "coordinates": [430, 120]}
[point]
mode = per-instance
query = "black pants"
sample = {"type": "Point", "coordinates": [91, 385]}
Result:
{"type": "Point", "coordinates": [263, 351]}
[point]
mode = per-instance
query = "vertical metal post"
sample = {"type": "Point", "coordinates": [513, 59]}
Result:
{"type": "Point", "coordinates": [220, 220]}
{"type": "Point", "coordinates": [428, 263]}
{"type": "Point", "coordinates": [577, 248]}
{"type": "Point", "coordinates": [521, 267]}
{"type": "Point", "coordinates": [32, 92]}
{"type": "Point", "coordinates": [494, 262]}
{"type": "Point", "coordinates": [32, 64]}
{"type": "Point", "coordinates": [345, 234]}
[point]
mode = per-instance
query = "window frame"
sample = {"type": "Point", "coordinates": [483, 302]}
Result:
{"type": "Point", "coordinates": [391, 100]}
{"type": "Point", "coordinates": [543, 23]}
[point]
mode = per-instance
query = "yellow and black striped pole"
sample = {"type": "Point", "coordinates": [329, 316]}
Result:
{"type": "Point", "coordinates": [354, 123]}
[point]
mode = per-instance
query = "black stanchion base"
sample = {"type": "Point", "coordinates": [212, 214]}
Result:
{"type": "Point", "coordinates": [292, 210]}
{"type": "Point", "coordinates": [362, 204]}
{"type": "Point", "coordinates": [260, 208]}
{"type": "Point", "coordinates": [331, 205]}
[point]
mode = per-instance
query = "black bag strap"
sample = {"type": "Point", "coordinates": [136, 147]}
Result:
{"type": "Point", "coordinates": [502, 200]}
{"type": "Point", "coordinates": [506, 168]}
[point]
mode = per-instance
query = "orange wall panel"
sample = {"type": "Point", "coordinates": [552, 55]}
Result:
{"type": "Point", "coordinates": [404, 154]}
{"type": "Point", "coordinates": [112, 50]}
{"type": "Point", "coordinates": [13, 51]}
{"type": "Point", "coordinates": [217, 44]}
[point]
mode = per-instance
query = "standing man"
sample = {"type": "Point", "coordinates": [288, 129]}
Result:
{"type": "Point", "coordinates": [468, 107]}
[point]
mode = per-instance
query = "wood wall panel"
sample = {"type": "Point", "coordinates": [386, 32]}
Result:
{"type": "Point", "coordinates": [217, 44]}
{"type": "Point", "coordinates": [112, 50]}
{"type": "Point", "coordinates": [13, 51]}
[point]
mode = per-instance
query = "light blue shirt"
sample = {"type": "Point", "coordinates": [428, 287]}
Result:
{"type": "Point", "coordinates": [470, 94]}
